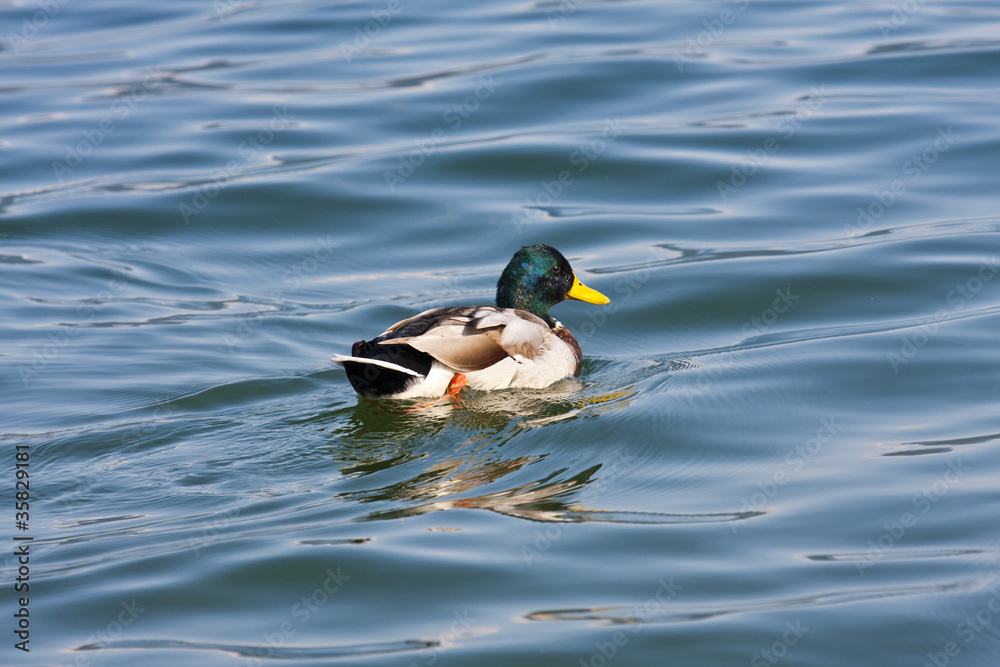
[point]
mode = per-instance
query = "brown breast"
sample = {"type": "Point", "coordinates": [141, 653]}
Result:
{"type": "Point", "coordinates": [565, 336]}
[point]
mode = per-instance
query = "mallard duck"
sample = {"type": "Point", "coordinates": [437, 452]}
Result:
{"type": "Point", "coordinates": [513, 344]}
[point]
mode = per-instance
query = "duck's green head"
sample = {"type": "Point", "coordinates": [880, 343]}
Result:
{"type": "Point", "coordinates": [537, 278]}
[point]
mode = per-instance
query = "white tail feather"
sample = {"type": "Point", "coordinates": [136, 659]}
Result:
{"type": "Point", "coordinates": [340, 359]}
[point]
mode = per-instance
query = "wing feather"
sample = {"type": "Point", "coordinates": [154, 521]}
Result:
{"type": "Point", "coordinates": [463, 353]}
{"type": "Point", "coordinates": [472, 339]}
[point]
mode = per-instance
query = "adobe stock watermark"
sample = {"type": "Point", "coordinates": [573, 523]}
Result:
{"type": "Point", "coordinates": [87, 311]}
{"type": "Point", "coordinates": [91, 477]}
{"type": "Point", "coordinates": [795, 461]}
{"type": "Point", "coordinates": [212, 531]}
{"type": "Point", "coordinates": [580, 160]}
{"type": "Point", "coordinates": [115, 628]}
{"type": "Point", "coordinates": [459, 628]}
{"type": "Point", "coordinates": [779, 649]}
{"type": "Point", "coordinates": [301, 612]}
{"type": "Point", "coordinates": [922, 502]}
{"type": "Point", "coordinates": [756, 326]}
{"type": "Point", "coordinates": [967, 630]}
{"type": "Point", "coordinates": [959, 295]}
{"type": "Point", "coordinates": [697, 45]}
{"type": "Point", "coordinates": [247, 150]}
{"type": "Point", "coordinates": [145, 428]}
{"type": "Point", "coordinates": [121, 108]}
{"type": "Point", "coordinates": [31, 25]}
{"type": "Point", "coordinates": [639, 616]}
{"type": "Point", "coordinates": [554, 531]}
{"type": "Point", "coordinates": [452, 119]}
{"type": "Point", "coordinates": [787, 126]}
{"type": "Point", "coordinates": [566, 9]}
{"type": "Point", "coordinates": [913, 169]}
{"type": "Point", "coordinates": [291, 279]}
{"type": "Point", "coordinates": [365, 33]}
{"type": "Point", "coordinates": [226, 8]}
{"type": "Point", "coordinates": [901, 13]}
{"type": "Point", "coordinates": [624, 289]}
{"type": "Point", "coordinates": [752, 329]}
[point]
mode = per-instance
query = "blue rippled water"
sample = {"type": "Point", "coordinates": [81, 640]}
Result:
{"type": "Point", "coordinates": [784, 447]}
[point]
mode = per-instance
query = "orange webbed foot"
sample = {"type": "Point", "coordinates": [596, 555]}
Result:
{"type": "Point", "coordinates": [454, 387]}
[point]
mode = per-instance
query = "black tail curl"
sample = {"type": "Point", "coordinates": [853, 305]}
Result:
{"type": "Point", "coordinates": [376, 381]}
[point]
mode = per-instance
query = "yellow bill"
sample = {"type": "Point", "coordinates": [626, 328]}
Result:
{"type": "Point", "coordinates": [584, 293]}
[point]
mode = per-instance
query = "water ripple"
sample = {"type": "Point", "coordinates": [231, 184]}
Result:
{"type": "Point", "coordinates": [260, 651]}
{"type": "Point", "coordinates": [677, 613]}
{"type": "Point", "coordinates": [897, 554]}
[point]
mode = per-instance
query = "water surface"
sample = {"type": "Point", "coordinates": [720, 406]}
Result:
{"type": "Point", "coordinates": [784, 447]}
